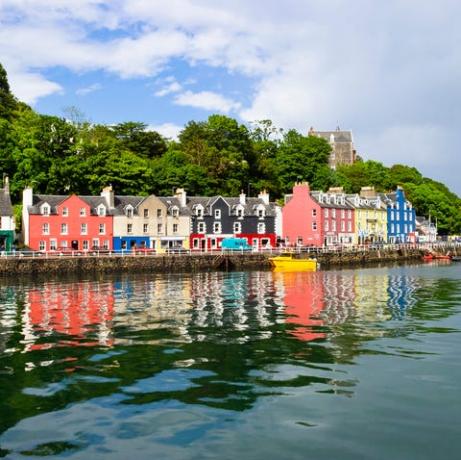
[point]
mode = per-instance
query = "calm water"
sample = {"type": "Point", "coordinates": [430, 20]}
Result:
{"type": "Point", "coordinates": [354, 364]}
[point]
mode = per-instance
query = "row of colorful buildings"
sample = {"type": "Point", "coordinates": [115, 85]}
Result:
{"type": "Point", "coordinates": [114, 222]}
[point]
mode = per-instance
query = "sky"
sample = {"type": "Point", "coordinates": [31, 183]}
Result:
{"type": "Point", "coordinates": [390, 71]}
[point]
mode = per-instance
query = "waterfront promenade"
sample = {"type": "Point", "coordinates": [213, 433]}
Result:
{"type": "Point", "coordinates": [24, 262]}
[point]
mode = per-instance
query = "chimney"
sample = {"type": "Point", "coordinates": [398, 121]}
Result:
{"type": "Point", "coordinates": [27, 200]}
{"type": "Point", "coordinates": [242, 199]}
{"type": "Point", "coordinates": [311, 131]}
{"type": "Point", "coordinates": [264, 196]}
{"type": "Point", "coordinates": [108, 194]}
{"type": "Point", "coordinates": [337, 190]}
{"type": "Point", "coordinates": [181, 196]}
{"type": "Point", "coordinates": [368, 192]}
{"type": "Point", "coordinates": [301, 189]}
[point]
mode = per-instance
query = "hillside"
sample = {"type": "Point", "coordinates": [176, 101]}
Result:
{"type": "Point", "coordinates": [216, 156]}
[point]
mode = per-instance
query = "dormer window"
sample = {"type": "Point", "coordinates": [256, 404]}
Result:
{"type": "Point", "coordinates": [45, 210]}
{"type": "Point", "coordinates": [129, 212]}
{"type": "Point", "coordinates": [240, 212]}
{"type": "Point", "coordinates": [175, 211]}
{"type": "Point", "coordinates": [217, 214]}
{"type": "Point", "coordinates": [82, 212]}
{"type": "Point", "coordinates": [199, 211]}
{"type": "Point", "coordinates": [260, 212]}
{"type": "Point", "coordinates": [101, 210]}
{"type": "Point", "coordinates": [65, 212]}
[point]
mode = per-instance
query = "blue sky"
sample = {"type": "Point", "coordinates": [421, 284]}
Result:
{"type": "Point", "coordinates": [389, 71]}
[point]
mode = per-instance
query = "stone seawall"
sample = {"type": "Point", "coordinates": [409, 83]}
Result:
{"type": "Point", "coordinates": [189, 263]}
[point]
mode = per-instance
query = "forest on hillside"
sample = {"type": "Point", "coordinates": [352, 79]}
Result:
{"type": "Point", "coordinates": [57, 155]}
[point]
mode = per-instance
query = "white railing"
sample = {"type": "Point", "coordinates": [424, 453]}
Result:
{"type": "Point", "coordinates": [437, 247]}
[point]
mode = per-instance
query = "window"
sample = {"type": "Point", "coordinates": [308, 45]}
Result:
{"type": "Point", "coordinates": [196, 243]}
{"type": "Point", "coordinates": [327, 226]}
{"type": "Point", "coordinates": [343, 226]}
{"type": "Point", "coordinates": [260, 212]}
{"type": "Point", "coordinates": [82, 212]}
{"type": "Point", "coordinates": [349, 213]}
{"type": "Point", "coordinates": [159, 213]}
{"type": "Point", "coordinates": [129, 228]}
{"type": "Point", "coordinates": [145, 228]}
{"type": "Point", "coordinates": [41, 246]}
{"type": "Point", "coordinates": [333, 226]}
{"type": "Point", "coordinates": [239, 212]}
{"type": "Point", "coordinates": [175, 212]}
{"type": "Point", "coordinates": [314, 225]}
{"type": "Point", "coordinates": [326, 212]}
{"type": "Point", "coordinates": [64, 244]}
{"type": "Point", "coordinates": [83, 229]}
{"type": "Point", "coordinates": [65, 212]}
{"type": "Point", "coordinates": [101, 210]}
{"type": "Point", "coordinates": [349, 226]}
{"type": "Point", "coordinates": [95, 243]}
{"type": "Point", "coordinates": [406, 229]}
{"type": "Point", "coordinates": [175, 228]}
{"type": "Point", "coordinates": [217, 227]}
{"type": "Point", "coordinates": [105, 245]}
{"type": "Point", "coordinates": [64, 229]}
{"type": "Point", "coordinates": [46, 229]}
{"type": "Point", "coordinates": [237, 227]}
{"type": "Point", "coordinates": [261, 227]}
{"type": "Point", "coordinates": [146, 213]}
{"type": "Point", "coordinates": [53, 244]}
{"type": "Point", "coordinates": [217, 214]}
{"type": "Point", "coordinates": [46, 210]}
{"type": "Point", "coordinates": [397, 228]}
{"type": "Point", "coordinates": [392, 228]}
{"type": "Point", "coordinates": [333, 213]}
{"type": "Point", "coordinates": [201, 227]}
{"type": "Point", "coordinates": [392, 215]}
{"type": "Point", "coordinates": [343, 213]}
{"type": "Point", "coordinates": [129, 212]}
{"type": "Point", "coordinates": [199, 211]}
{"type": "Point", "coordinates": [102, 229]}
{"type": "Point", "coordinates": [85, 245]}
{"type": "Point", "coordinates": [314, 212]}
{"type": "Point", "coordinates": [159, 228]}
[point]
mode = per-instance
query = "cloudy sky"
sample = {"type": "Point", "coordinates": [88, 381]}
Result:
{"type": "Point", "coordinates": [388, 70]}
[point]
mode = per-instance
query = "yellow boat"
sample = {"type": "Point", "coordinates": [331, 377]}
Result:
{"type": "Point", "coordinates": [286, 262]}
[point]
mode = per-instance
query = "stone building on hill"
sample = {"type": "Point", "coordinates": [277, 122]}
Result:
{"type": "Point", "coordinates": [342, 146]}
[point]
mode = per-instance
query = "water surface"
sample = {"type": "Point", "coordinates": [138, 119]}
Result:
{"type": "Point", "coordinates": [353, 364]}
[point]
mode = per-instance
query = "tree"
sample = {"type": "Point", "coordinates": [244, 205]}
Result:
{"type": "Point", "coordinates": [7, 100]}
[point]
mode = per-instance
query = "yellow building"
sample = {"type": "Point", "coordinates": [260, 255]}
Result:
{"type": "Point", "coordinates": [370, 217]}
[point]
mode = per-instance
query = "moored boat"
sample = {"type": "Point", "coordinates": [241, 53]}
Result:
{"type": "Point", "coordinates": [287, 262]}
{"type": "Point", "coordinates": [431, 256]}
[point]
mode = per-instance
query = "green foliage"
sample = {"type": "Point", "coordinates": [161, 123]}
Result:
{"type": "Point", "coordinates": [216, 156]}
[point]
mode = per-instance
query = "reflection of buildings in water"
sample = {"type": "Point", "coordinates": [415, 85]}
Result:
{"type": "Point", "coordinates": [75, 309]}
{"type": "Point", "coordinates": [153, 302]}
{"type": "Point", "coordinates": [401, 294]}
{"type": "Point", "coordinates": [304, 301]}
{"type": "Point", "coordinates": [236, 300]}
{"type": "Point", "coordinates": [339, 292]}
{"type": "Point", "coordinates": [8, 311]}
{"type": "Point", "coordinates": [371, 295]}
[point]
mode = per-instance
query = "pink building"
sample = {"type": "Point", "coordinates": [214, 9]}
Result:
{"type": "Point", "coordinates": [317, 218]}
{"type": "Point", "coordinates": [57, 222]}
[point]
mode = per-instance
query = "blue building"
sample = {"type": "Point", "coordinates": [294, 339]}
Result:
{"type": "Point", "coordinates": [401, 218]}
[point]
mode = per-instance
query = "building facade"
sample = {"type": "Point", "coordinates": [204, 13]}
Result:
{"type": "Point", "coordinates": [401, 218]}
{"type": "Point", "coordinates": [342, 146]}
{"type": "Point", "coordinates": [216, 218]}
{"type": "Point", "coordinates": [317, 218]}
{"type": "Point", "coordinates": [59, 222]}
{"type": "Point", "coordinates": [7, 223]}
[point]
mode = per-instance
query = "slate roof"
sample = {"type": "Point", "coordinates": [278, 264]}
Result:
{"type": "Point", "coordinates": [316, 197]}
{"type": "Point", "coordinates": [6, 209]}
{"type": "Point", "coordinates": [339, 136]}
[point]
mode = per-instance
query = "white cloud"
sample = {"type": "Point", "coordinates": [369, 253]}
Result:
{"type": "Point", "coordinates": [207, 100]}
{"type": "Point", "coordinates": [168, 130]}
{"type": "Point", "coordinates": [29, 87]}
{"type": "Point", "coordinates": [88, 89]}
{"type": "Point", "coordinates": [173, 87]}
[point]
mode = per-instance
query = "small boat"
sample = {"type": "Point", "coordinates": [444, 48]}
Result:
{"type": "Point", "coordinates": [287, 262]}
{"type": "Point", "coordinates": [456, 258]}
{"type": "Point", "coordinates": [429, 257]}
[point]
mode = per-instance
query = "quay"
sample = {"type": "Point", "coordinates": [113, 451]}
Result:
{"type": "Point", "coordinates": [111, 262]}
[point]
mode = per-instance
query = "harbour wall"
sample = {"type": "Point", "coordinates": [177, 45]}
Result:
{"type": "Point", "coordinates": [192, 262]}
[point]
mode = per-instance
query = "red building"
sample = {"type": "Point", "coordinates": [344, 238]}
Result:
{"type": "Point", "coordinates": [57, 222]}
{"type": "Point", "coordinates": [317, 218]}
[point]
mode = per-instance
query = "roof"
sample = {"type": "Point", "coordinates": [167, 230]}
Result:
{"type": "Point", "coordinates": [339, 136]}
{"type": "Point", "coordinates": [6, 209]}
{"type": "Point", "coordinates": [316, 197]}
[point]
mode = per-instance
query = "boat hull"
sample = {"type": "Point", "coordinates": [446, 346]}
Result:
{"type": "Point", "coordinates": [281, 263]}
